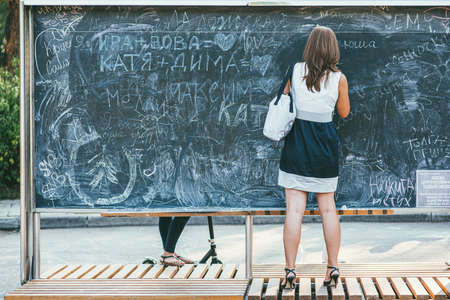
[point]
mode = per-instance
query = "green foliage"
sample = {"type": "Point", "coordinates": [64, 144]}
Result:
{"type": "Point", "coordinates": [3, 15]}
{"type": "Point", "coordinates": [10, 131]}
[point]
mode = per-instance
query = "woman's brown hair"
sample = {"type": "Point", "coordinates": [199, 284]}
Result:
{"type": "Point", "coordinates": [321, 55]}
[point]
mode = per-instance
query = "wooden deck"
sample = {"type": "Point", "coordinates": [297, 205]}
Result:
{"type": "Point", "coordinates": [358, 281]}
{"type": "Point", "coordinates": [131, 281]}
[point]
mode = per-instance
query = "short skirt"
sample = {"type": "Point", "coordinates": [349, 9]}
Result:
{"type": "Point", "coordinates": [309, 157]}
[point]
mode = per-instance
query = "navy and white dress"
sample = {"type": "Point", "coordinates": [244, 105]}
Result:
{"type": "Point", "coordinates": [309, 158]}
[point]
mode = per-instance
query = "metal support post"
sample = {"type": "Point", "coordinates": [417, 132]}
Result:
{"type": "Point", "coordinates": [248, 246]}
{"type": "Point", "coordinates": [36, 259]}
{"type": "Point", "coordinates": [35, 216]}
{"type": "Point", "coordinates": [25, 205]}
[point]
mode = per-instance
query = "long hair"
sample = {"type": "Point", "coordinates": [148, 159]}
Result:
{"type": "Point", "coordinates": [321, 55]}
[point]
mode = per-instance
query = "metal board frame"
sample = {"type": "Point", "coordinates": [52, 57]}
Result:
{"type": "Point", "coordinates": [26, 73]}
{"type": "Point", "coordinates": [240, 2]}
{"type": "Point", "coordinates": [29, 215]}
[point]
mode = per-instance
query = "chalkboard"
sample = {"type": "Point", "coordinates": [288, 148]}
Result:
{"type": "Point", "coordinates": [162, 108]}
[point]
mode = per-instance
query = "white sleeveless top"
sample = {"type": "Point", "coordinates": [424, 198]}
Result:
{"type": "Point", "coordinates": [317, 106]}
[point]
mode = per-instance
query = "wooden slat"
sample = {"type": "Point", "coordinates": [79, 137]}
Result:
{"type": "Point", "coordinates": [81, 272]}
{"type": "Point", "coordinates": [321, 290]}
{"type": "Point", "coordinates": [244, 213]}
{"type": "Point", "coordinates": [353, 289]}
{"type": "Point", "coordinates": [130, 289]}
{"type": "Point", "coordinates": [433, 288]}
{"type": "Point", "coordinates": [154, 272]}
{"type": "Point", "coordinates": [431, 266]}
{"type": "Point", "coordinates": [140, 271]}
{"type": "Point", "coordinates": [126, 282]}
{"type": "Point", "coordinates": [358, 270]}
{"type": "Point", "coordinates": [112, 285]}
{"type": "Point", "coordinates": [288, 294]}
{"type": "Point", "coordinates": [338, 291]}
{"type": "Point", "coordinates": [52, 271]}
{"type": "Point", "coordinates": [66, 272]}
{"type": "Point", "coordinates": [110, 272]}
{"type": "Point", "coordinates": [168, 272]}
{"type": "Point", "coordinates": [386, 291]}
{"type": "Point", "coordinates": [184, 271]}
{"type": "Point", "coordinates": [369, 289]}
{"type": "Point", "coordinates": [304, 289]}
{"type": "Point", "coordinates": [419, 292]}
{"type": "Point", "coordinates": [227, 271]}
{"type": "Point", "coordinates": [199, 271]}
{"type": "Point", "coordinates": [401, 289]}
{"type": "Point", "coordinates": [240, 273]}
{"type": "Point", "coordinates": [444, 283]}
{"type": "Point", "coordinates": [125, 271]}
{"type": "Point", "coordinates": [273, 287]}
{"type": "Point", "coordinates": [95, 271]}
{"type": "Point", "coordinates": [255, 290]}
{"type": "Point", "coordinates": [213, 271]}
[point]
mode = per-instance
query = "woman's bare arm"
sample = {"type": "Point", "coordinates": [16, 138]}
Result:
{"type": "Point", "coordinates": [343, 101]}
{"type": "Point", "coordinates": [287, 87]}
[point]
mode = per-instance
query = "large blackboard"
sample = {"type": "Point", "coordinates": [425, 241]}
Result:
{"type": "Point", "coordinates": [162, 108]}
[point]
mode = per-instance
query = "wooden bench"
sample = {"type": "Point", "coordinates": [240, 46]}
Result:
{"type": "Point", "coordinates": [358, 281]}
{"type": "Point", "coordinates": [132, 281]}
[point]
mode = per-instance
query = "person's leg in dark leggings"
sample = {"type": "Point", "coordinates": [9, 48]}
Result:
{"type": "Point", "coordinates": [175, 229]}
{"type": "Point", "coordinates": [164, 224]}
{"type": "Point", "coordinates": [170, 230]}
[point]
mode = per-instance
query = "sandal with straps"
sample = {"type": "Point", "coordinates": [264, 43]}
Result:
{"type": "Point", "coordinates": [177, 263]}
{"type": "Point", "coordinates": [185, 259]}
{"type": "Point", "coordinates": [289, 281]}
{"type": "Point", "coordinates": [333, 277]}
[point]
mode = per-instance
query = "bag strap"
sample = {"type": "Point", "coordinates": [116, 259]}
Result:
{"type": "Point", "coordinates": [287, 75]}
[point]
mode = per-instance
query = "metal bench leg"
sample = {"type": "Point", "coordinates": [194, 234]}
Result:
{"type": "Point", "coordinates": [248, 246]}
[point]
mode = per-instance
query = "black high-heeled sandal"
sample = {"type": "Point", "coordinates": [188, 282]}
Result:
{"type": "Point", "coordinates": [333, 277]}
{"type": "Point", "coordinates": [289, 281]}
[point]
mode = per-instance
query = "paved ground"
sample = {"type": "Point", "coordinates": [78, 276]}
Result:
{"type": "Point", "coordinates": [361, 243]}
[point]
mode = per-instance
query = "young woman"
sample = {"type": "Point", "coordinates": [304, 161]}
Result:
{"type": "Point", "coordinates": [309, 158]}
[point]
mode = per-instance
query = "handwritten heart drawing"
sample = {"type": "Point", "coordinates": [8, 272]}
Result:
{"type": "Point", "coordinates": [60, 179]}
{"type": "Point", "coordinates": [225, 41]}
{"type": "Point", "coordinates": [261, 63]}
{"type": "Point", "coordinates": [267, 84]}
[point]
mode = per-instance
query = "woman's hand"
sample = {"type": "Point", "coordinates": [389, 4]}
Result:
{"type": "Point", "coordinates": [287, 87]}
{"type": "Point", "coordinates": [343, 102]}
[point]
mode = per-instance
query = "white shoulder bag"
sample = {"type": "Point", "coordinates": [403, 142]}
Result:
{"type": "Point", "coordinates": [281, 113]}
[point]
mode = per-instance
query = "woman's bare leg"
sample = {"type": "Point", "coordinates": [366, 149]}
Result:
{"type": "Point", "coordinates": [331, 228]}
{"type": "Point", "coordinates": [295, 209]}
